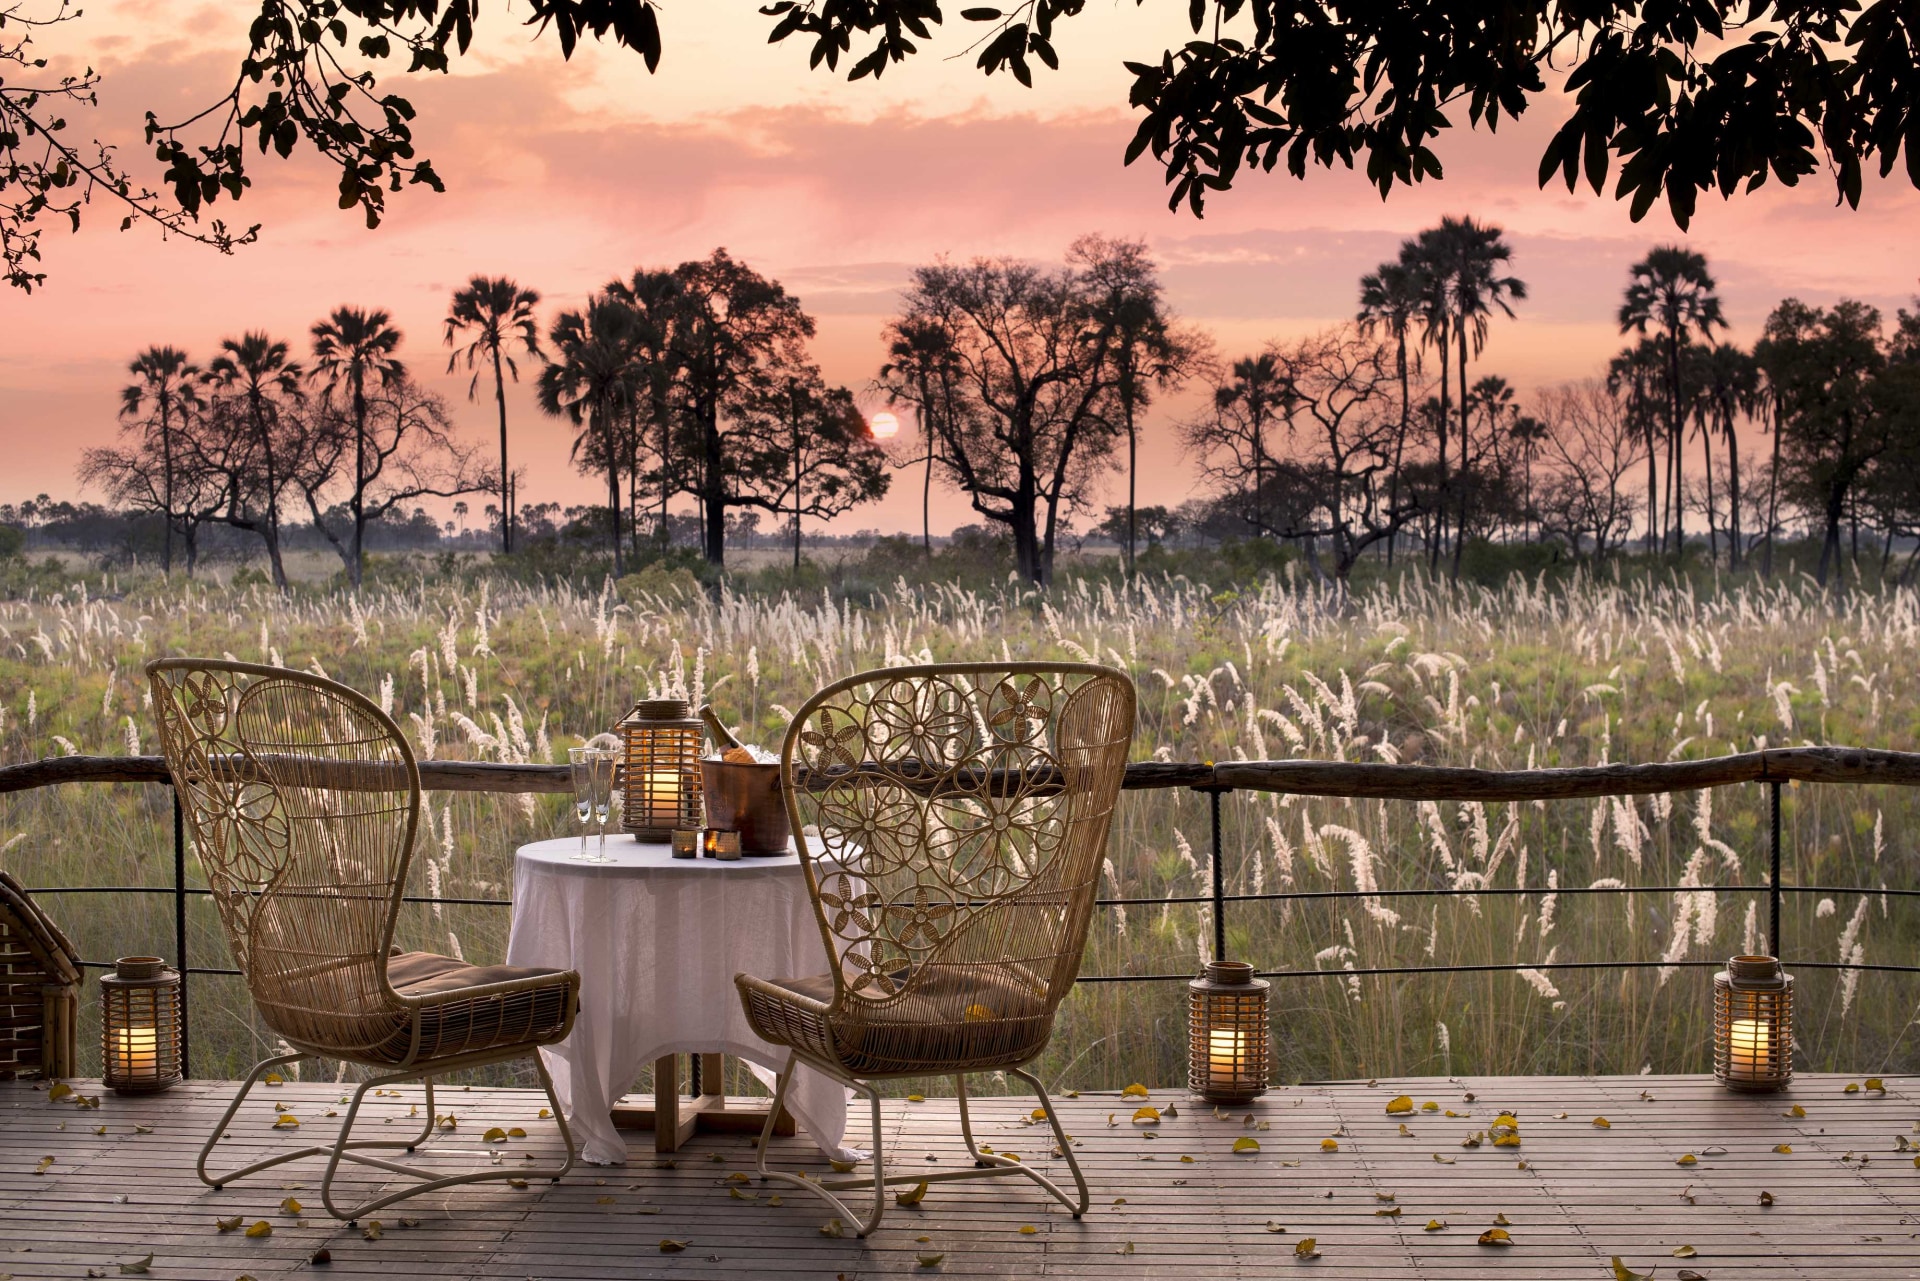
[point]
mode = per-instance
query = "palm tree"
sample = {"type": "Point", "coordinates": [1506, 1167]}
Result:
{"type": "Point", "coordinates": [256, 368]}
{"type": "Point", "coordinates": [500, 314]}
{"type": "Point", "coordinates": [1390, 299]}
{"type": "Point", "coordinates": [167, 385]}
{"type": "Point", "coordinates": [349, 346]}
{"type": "Point", "coordinates": [1729, 387]}
{"type": "Point", "coordinates": [1466, 257]}
{"type": "Point", "coordinates": [921, 356]}
{"type": "Point", "coordinates": [1672, 290]}
{"type": "Point", "coordinates": [1628, 374]}
{"type": "Point", "coordinates": [656, 301]}
{"type": "Point", "coordinates": [590, 380]}
{"type": "Point", "coordinates": [1256, 390]}
{"type": "Point", "coordinates": [1527, 432]}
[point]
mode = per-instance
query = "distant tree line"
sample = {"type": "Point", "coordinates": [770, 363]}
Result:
{"type": "Point", "coordinates": [1024, 386]}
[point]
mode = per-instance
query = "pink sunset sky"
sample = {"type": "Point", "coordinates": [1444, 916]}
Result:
{"type": "Point", "coordinates": [566, 175]}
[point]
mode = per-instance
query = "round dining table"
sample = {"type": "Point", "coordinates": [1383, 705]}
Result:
{"type": "Point", "coordinates": [657, 940]}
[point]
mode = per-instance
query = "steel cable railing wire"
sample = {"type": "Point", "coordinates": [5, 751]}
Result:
{"type": "Point", "coordinates": [1825, 765]}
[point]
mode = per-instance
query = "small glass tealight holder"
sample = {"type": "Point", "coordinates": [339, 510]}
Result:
{"type": "Point", "coordinates": [686, 842]}
{"type": "Point", "coordinates": [722, 844]}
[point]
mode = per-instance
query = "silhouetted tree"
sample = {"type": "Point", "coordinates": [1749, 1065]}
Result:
{"type": "Point", "coordinates": [806, 451]}
{"type": "Point", "coordinates": [350, 347]}
{"type": "Point", "coordinates": [589, 381]}
{"type": "Point", "coordinates": [1673, 292]}
{"type": "Point", "coordinates": [499, 315]}
{"type": "Point", "coordinates": [167, 391]}
{"type": "Point", "coordinates": [248, 444]}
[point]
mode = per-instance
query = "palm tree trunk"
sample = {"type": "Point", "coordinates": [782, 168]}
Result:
{"type": "Point", "coordinates": [359, 474]}
{"type": "Point", "coordinates": [1706, 453]}
{"type": "Point", "coordinates": [1399, 443]}
{"type": "Point", "coordinates": [1466, 441]}
{"type": "Point", "coordinates": [1677, 479]}
{"type": "Point", "coordinates": [1733, 492]}
{"type": "Point", "coordinates": [1773, 496]}
{"type": "Point", "coordinates": [1133, 456]}
{"type": "Point", "coordinates": [506, 484]}
{"type": "Point", "coordinates": [166, 463]}
{"type": "Point", "coordinates": [603, 418]}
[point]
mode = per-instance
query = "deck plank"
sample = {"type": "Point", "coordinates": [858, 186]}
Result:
{"type": "Point", "coordinates": [1846, 1199]}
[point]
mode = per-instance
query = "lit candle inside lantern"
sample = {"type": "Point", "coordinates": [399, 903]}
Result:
{"type": "Point", "coordinates": [1226, 1054]}
{"type": "Point", "coordinates": [1749, 1048]}
{"type": "Point", "coordinates": [663, 797]}
{"type": "Point", "coordinates": [139, 1049]}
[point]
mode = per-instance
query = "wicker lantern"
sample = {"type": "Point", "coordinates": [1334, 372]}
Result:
{"type": "Point", "coordinates": [140, 1026]}
{"type": "Point", "coordinates": [661, 772]}
{"type": "Point", "coordinates": [1227, 1036]}
{"type": "Point", "coordinates": [1753, 1025]}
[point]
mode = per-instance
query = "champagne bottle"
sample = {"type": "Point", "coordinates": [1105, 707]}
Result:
{"type": "Point", "coordinates": [722, 737]}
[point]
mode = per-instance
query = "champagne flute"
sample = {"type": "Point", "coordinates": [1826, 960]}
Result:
{"type": "Point", "coordinates": [582, 764]}
{"type": "Point", "coordinates": [603, 762]}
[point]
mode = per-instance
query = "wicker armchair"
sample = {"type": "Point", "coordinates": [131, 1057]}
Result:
{"type": "Point", "coordinates": [39, 988]}
{"type": "Point", "coordinates": [963, 813]}
{"type": "Point", "coordinates": [302, 798]}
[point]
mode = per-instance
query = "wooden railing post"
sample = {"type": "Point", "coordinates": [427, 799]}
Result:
{"type": "Point", "coordinates": [1773, 873]}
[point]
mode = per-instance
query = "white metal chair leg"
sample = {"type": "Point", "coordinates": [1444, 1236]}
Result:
{"type": "Point", "coordinates": [820, 1188]}
{"type": "Point", "coordinates": [1062, 1142]}
{"type": "Point", "coordinates": [345, 1150]}
{"type": "Point", "coordinates": [260, 1069]}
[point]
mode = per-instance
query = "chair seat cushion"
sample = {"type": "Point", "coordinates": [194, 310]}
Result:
{"type": "Point", "coordinates": [537, 1014]}
{"type": "Point", "coordinates": [954, 1018]}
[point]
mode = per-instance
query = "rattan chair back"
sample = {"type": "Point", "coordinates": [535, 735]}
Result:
{"type": "Point", "coordinates": [301, 797]}
{"type": "Point", "coordinates": [963, 812]}
{"type": "Point", "coordinates": [39, 988]}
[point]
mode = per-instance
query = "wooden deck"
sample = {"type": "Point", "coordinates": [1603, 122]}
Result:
{"type": "Point", "coordinates": [1846, 1199]}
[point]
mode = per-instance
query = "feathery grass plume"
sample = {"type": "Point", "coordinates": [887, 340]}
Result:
{"type": "Point", "coordinates": [1825, 907]}
{"type": "Point", "coordinates": [132, 738]}
{"type": "Point", "coordinates": [386, 693]}
{"type": "Point", "coordinates": [1852, 952]}
{"type": "Point", "coordinates": [1750, 930]}
{"type": "Point", "coordinates": [1548, 903]}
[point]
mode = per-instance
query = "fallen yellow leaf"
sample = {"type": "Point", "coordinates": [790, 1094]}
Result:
{"type": "Point", "coordinates": [1329, 1145]}
{"type": "Point", "coordinates": [1274, 1227]}
{"type": "Point", "coordinates": [1134, 1091]}
{"type": "Point", "coordinates": [1435, 1225]}
{"type": "Point", "coordinates": [1684, 1252]}
{"type": "Point", "coordinates": [916, 1098]}
{"type": "Point", "coordinates": [1306, 1248]}
{"type": "Point", "coordinates": [1796, 1110]}
{"type": "Point", "coordinates": [1601, 1123]}
{"type": "Point", "coordinates": [1429, 1106]}
{"type": "Point", "coordinates": [259, 1228]}
{"type": "Point", "coordinates": [373, 1229]}
{"type": "Point", "coordinates": [1399, 1104]}
{"type": "Point", "coordinates": [1688, 1159]}
{"type": "Point", "coordinates": [228, 1225]}
{"type": "Point", "coordinates": [1146, 1116]}
{"type": "Point", "coordinates": [1621, 1272]}
{"type": "Point", "coordinates": [1783, 1147]}
{"type": "Point", "coordinates": [137, 1268]}
{"type": "Point", "coordinates": [290, 1206]}
{"type": "Point", "coordinates": [1244, 1144]}
{"type": "Point", "coordinates": [1496, 1236]}
{"type": "Point", "coordinates": [494, 1135]}
{"type": "Point", "coordinates": [1027, 1229]}
{"type": "Point", "coordinates": [913, 1196]}
{"type": "Point", "coordinates": [933, 1260]}
{"type": "Point", "coordinates": [670, 1246]}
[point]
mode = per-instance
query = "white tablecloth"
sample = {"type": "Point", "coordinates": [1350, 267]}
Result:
{"type": "Point", "coordinates": [657, 941]}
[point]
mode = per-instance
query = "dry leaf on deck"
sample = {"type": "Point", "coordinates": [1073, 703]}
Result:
{"type": "Point", "coordinates": [1329, 1145]}
{"type": "Point", "coordinates": [670, 1246]}
{"type": "Point", "coordinates": [1795, 1110]}
{"type": "Point", "coordinates": [1783, 1148]}
{"type": "Point", "coordinates": [933, 1260]}
{"type": "Point", "coordinates": [842, 1167]}
{"type": "Point", "coordinates": [1400, 1104]}
{"type": "Point", "coordinates": [1766, 1198]}
{"type": "Point", "coordinates": [916, 1098]}
{"type": "Point", "coordinates": [1621, 1272]}
{"type": "Point", "coordinates": [1688, 1274]}
{"type": "Point", "coordinates": [1445, 1160]}
{"type": "Point", "coordinates": [831, 1228]}
{"type": "Point", "coordinates": [1435, 1225]}
{"type": "Point", "coordinates": [1390, 1212]}
{"type": "Point", "coordinates": [286, 1121]}
{"type": "Point", "coordinates": [138, 1268]}
{"type": "Point", "coordinates": [517, 1183]}
{"type": "Point", "coordinates": [373, 1229]}
{"type": "Point", "coordinates": [1306, 1248]}
{"type": "Point", "coordinates": [1875, 1084]}
{"type": "Point", "coordinates": [228, 1225]}
{"type": "Point", "coordinates": [1601, 1123]}
{"type": "Point", "coordinates": [1146, 1116]}
{"type": "Point", "coordinates": [913, 1196]}
{"type": "Point", "coordinates": [494, 1135]}
{"type": "Point", "coordinates": [1027, 1230]}
{"type": "Point", "coordinates": [57, 1091]}
{"type": "Point", "coordinates": [1502, 1220]}
{"type": "Point", "coordinates": [1405, 1133]}
{"type": "Point", "coordinates": [46, 1163]}
{"type": "Point", "coordinates": [1496, 1236]}
{"type": "Point", "coordinates": [1429, 1106]}
{"type": "Point", "coordinates": [1274, 1227]}
{"type": "Point", "coordinates": [1134, 1091]}
{"type": "Point", "coordinates": [1688, 1159]}
{"type": "Point", "coordinates": [1684, 1252]}
{"type": "Point", "coordinates": [734, 1193]}
{"type": "Point", "coordinates": [259, 1228]}
{"type": "Point", "coordinates": [1244, 1144]}
{"type": "Point", "coordinates": [544, 1114]}
{"type": "Point", "coordinates": [290, 1206]}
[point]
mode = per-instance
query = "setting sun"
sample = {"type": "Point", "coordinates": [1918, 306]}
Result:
{"type": "Point", "coordinates": [884, 426]}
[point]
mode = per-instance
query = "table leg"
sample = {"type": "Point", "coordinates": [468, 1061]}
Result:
{"type": "Point", "coordinates": [674, 1119]}
{"type": "Point", "coordinates": [671, 1128]}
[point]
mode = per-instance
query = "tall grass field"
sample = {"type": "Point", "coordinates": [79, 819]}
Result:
{"type": "Point", "coordinates": [1528, 674]}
